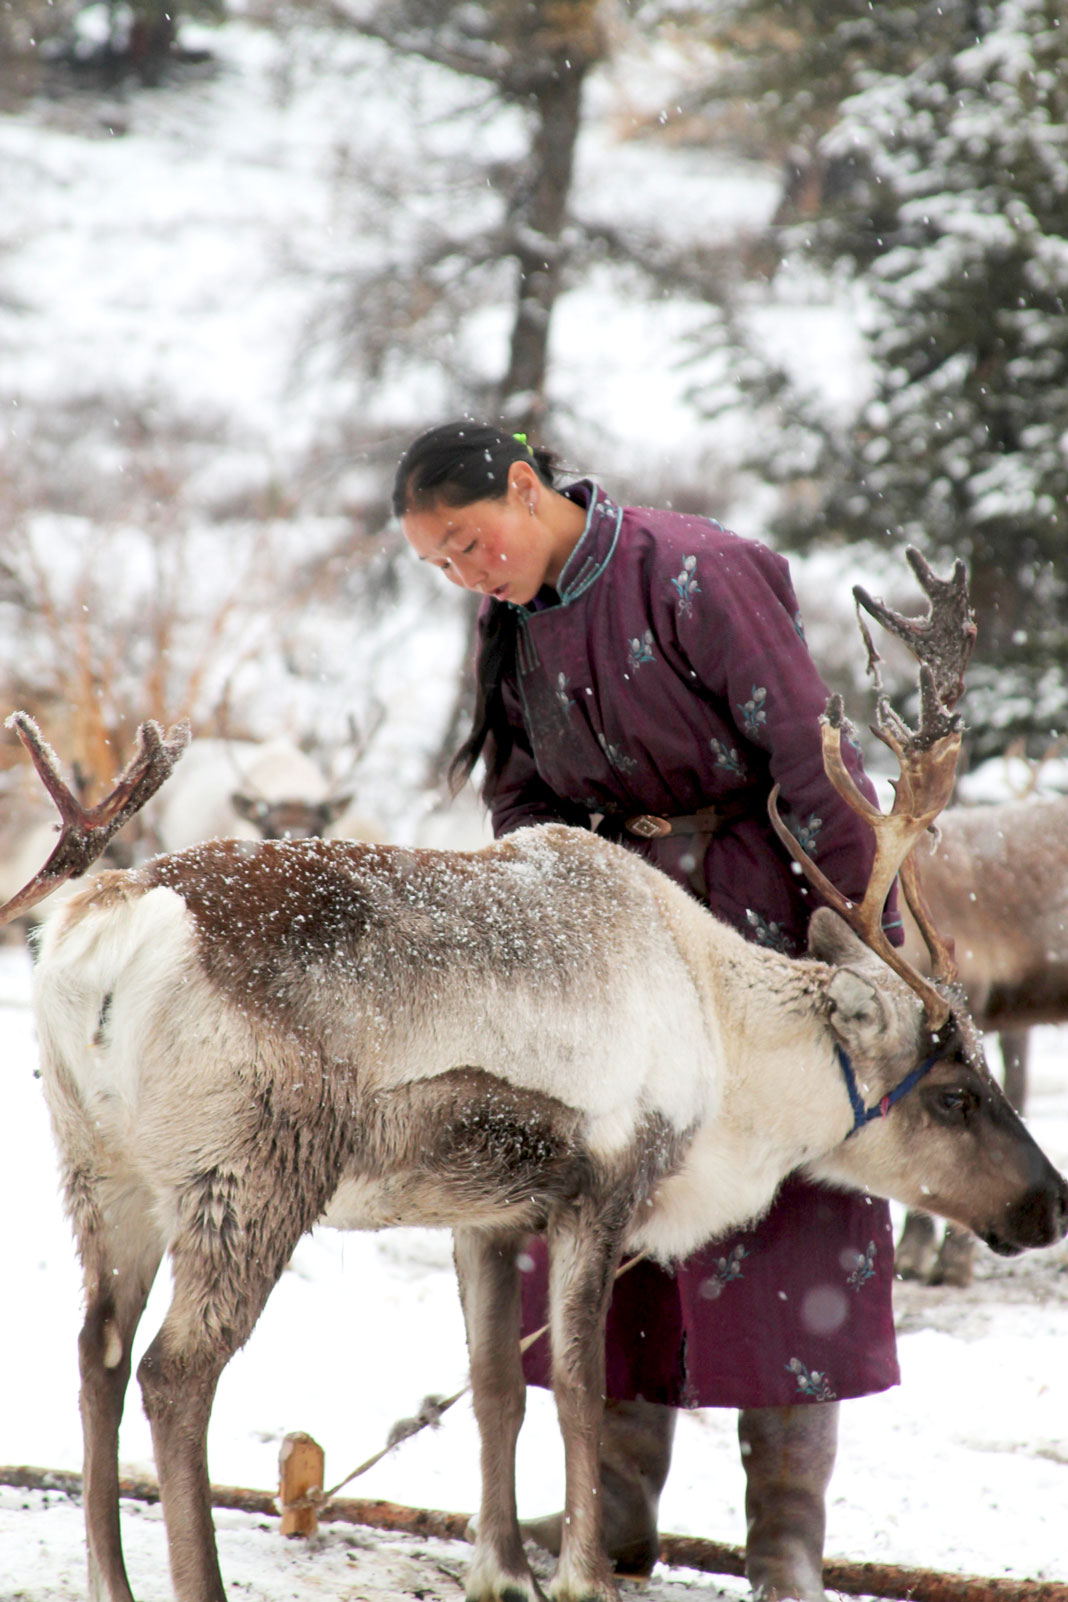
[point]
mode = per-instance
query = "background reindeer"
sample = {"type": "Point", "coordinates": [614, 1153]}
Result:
{"type": "Point", "coordinates": [248, 790]}
{"type": "Point", "coordinates": [996, 880]}
{"type": "Point", "coordinates": [262, 790]}
{"type": "Point", "coordinates": [225, 789]}
{"type": "Point", "coordinates": [543, 1035]}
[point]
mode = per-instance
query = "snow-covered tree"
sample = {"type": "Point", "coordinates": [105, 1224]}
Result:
{"type": "Point", "coordinates": [471, 200]}
{"type": "Point", "coordinates": [477, 218]}
{"type": "Point", "coordinates": [954, 232]}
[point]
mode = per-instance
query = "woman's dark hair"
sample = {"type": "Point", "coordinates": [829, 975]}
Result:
{"type": "Point", "coordinates": [457, 463]}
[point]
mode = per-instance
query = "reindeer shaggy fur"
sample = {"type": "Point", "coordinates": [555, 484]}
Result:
{"type": "Point", "coordinates": [546, 1035]}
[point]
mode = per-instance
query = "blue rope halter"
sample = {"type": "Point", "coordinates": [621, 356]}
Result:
{"type": "Point", "coordinates": [863, 1115]}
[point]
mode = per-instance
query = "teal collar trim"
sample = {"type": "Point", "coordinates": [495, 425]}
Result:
{"type": "Point", "coordinates": [595, 549]}
{"type": "Point", "coordinates": [589, 558]}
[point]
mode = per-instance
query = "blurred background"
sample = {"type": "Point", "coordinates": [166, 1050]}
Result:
{"type": "Point", "coordinates": [801, 267]}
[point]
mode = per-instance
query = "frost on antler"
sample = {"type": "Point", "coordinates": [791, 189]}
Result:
{"type": "Point", "coordinates": [86, 831]}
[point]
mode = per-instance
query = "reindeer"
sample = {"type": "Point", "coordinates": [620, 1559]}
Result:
{"type": "Point", "coordinates": [260, 790]}
{"type": "Point", "coordinates": [995, 882]}
{"type": "Point", "coordinates": [244, 1039]}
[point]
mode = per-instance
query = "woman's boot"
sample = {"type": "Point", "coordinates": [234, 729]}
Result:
{"type": "Point", "coordinates": [636, 1439]}
{"type": "Point", "coordinates": [788, 1455]}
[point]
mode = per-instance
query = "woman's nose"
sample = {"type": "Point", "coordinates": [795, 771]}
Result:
{"type": "Point", "coordinates": [468, 572]}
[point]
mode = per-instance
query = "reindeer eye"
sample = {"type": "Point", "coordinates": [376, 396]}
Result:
{"type": "Point", "coordinates": [954, 1103]}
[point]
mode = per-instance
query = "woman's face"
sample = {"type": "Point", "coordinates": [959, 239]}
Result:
{"type": "Point", "coordinates": [498, 547]}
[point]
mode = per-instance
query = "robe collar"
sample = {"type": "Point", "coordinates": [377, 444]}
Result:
{"type": "Point", "coordinates": [594, 549]}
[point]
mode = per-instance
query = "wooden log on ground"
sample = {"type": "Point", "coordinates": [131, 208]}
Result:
{"type": "Point", "coordinates": [892, 1580]}
{"type": "Point", "coordinates": [870, 1579]}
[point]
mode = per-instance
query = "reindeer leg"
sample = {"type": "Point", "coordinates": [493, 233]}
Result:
{"type": "Point", "coordinates": [916, 1252]}
{"type": "Point", "coordinates": [227, 1255]}
{"type": "Point", "coordinates": [489, 1292]}
{"type": "Point", "coordinates": [583, 1253]}
{"type": "Point", "coordinates": [117, 1284]}
{"type": "Point", "coordinates": [956, 1258]}
{"type": "Point", "coordinates": [178, 1387]}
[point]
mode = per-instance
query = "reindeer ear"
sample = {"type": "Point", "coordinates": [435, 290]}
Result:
{"type": "Point", "coordinates": [830, 939]}
{"type": "Point", "coordinates": [858, 1014]}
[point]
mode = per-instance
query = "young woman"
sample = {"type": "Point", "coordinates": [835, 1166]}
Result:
{"type": "Point", "coordinates": [646, 671]}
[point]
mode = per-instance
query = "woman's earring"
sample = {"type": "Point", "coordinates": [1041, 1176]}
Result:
{"type": "Point", "coordinates": [530, 508]}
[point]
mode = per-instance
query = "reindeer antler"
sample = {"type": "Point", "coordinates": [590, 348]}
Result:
{"type": "Point", "coordinates": [86, 831]}
{"type": "Point", "coordinates": [927, 757]}
{"type": "Point", "coordinates": [943, 640]}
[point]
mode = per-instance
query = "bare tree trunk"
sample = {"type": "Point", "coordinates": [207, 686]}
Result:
{"type": "Point", "coordinates": [542, 52]}
{"type": "Point", "coordinates": [538, 214]}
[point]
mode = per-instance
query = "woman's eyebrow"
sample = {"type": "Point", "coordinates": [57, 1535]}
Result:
{"type": "Point", "coordinates": [444, 540]}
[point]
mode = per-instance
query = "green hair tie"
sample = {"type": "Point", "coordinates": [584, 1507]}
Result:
{"type": "Point", "coordinates": [522, 438]}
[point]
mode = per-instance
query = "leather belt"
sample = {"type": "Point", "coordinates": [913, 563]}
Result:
{"type": "Point", "coordinates": [706, 820]}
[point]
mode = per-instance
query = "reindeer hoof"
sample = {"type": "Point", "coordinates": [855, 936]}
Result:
{"type": "Point", "coordinates": [507, 1591]}
{"type": "Point", "coordinates": [593, 1591]}
{"type": "Point", "coordinates": [491, 1579]}
{"type": "Point", "coordinates": [571, 1584]}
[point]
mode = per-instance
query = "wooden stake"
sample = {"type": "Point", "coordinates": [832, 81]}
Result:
{"type": "Point", "coordinates": [301, 1462]}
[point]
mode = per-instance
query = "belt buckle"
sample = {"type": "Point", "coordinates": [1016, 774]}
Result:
{"type": "Point", "coordinates": [648, 827]}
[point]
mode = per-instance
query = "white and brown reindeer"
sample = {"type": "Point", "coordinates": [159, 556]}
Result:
{"type": "Point", "coordinates": [242, 1040]}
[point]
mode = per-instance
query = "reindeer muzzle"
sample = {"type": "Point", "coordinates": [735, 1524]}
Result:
{"type": "Point", "coordinates": [1040, 1218]}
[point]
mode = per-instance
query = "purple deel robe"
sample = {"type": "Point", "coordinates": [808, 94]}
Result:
{"type": "Point", "coordinates": [670, 673]}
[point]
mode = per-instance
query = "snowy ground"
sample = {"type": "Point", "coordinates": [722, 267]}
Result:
{"type": "Point", "coordinates": [963, 1468]}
